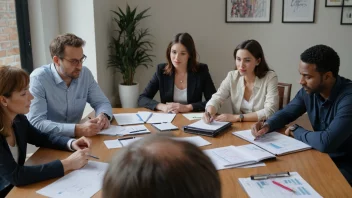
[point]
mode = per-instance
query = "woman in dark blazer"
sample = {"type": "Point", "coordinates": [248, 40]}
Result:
{"type": "Point", "coordinates": [181, 81]}
{"type": "Point", "coordinates": [16, 132]}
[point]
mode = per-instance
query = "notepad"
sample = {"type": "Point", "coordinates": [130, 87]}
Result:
{"type": "Point", "coordinates": [125, 130]}
{"type": "Point", "coordinates": [110, 144]}
{"type": "Point", "coordinates": [202, 128]}
{"type": "Point", "coordinates": [193, 116]}
{"type": "Point", "coordinates": [127, 119]}
{"type": "Point", "coordinates": [84, 182]}
{"type": "Point", "coordinates": [165, 126]}
{"type": "Point", "coordinates": [196, 140]}
{"type": "Point", "coordinates": [274, 142]}
{"type": "Point", "coordinates": [235, 156]}
{"type": "Point", "coordinates": [266, 188]}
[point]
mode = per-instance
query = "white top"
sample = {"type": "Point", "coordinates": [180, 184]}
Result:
{"type": "Point", "coordinates": [14, 152]}
{"type": "Point", "coordinates": [265, 95]}
{"type": "Point", "coordinates": [247, 106]}
{"type": "Point", "coordinates": [180, 96]}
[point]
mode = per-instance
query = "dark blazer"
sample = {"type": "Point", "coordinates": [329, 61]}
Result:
{"type": "Point", "coordinates": [16, 174]}
{"type": "Point", "coordinates": [198, 83]}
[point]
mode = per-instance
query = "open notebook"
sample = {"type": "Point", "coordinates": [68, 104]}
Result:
{"type": "Point", "coordinates": [274, 142]}
{"type": "Point", "coordinates": [124, 130]}
{"type": "Point", "coordinates": [143, 117]}
{"type": "Point", "coordinates": [235, 156]}
{"type": "Point", "coordinates": [201, 128]}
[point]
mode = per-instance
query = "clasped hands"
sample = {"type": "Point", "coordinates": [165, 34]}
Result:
{"type": "Point", "coordinates": [174, 107]}
{"type": "Point", "coordinates": [92, 126]}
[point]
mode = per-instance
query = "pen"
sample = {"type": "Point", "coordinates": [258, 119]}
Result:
{"type": "Point", "coordinates": [284, 187]}
{"type": "Point", "coordinates": [262, 121]}
{"type": "Point", "coordinates": [140, 117]}
{"type": "Point", "coordinates": [138, 131]}
{"type": "Point", "coordinates": [126, 138]}
{"type": "Point", "coordinates": [210, 118]}
{"type": "Point", "coordinates": [95, 157]}
{"type": "Point", "coordinates": [267, 176]}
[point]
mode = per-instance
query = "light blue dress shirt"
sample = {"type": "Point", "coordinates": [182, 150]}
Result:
{"type": "Point", "coordinates": [56, 108]}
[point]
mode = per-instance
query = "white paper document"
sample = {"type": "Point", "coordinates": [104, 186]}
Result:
{"type": "Point", "coordinates": [165, 126]}
{"type": "Point", "coordinates": [196, 140]}
{"type": "Point", "coordinates": [193, 116]}
{"type": "Point", "coordinates": [127, 119]}
{"type": "Point", "coordinates": [274, 142]}
{"type": "Point", "coordinates": [118, 143]}
{"type": "Point", "coordinates": [212, 126]}
{"type": "Point", "coordinates": [235, 156]}
{"type": "Point", "coordinates": [83, 183]}
{"type": "Point", "coordinates": [144, 115]}
{"type": "Point", "coordinates": [161, 118]}
{"type": "Point", "coordinates": [267, 189]}
{"type": "Point", "coordinates": [125, 130]}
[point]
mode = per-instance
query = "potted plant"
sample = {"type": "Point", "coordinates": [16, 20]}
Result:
{"type": "Point", "coordinates": [130, 48]}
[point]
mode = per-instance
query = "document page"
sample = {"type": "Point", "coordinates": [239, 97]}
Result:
{"type": "Point", "coordinates": [267, 189]}
{"type": "Point", "coordinates": [274, 142]}
{"type": "Point", "coordinates": [212, 126]}
{"type": "Point", "coordinates": [165, 126]}
{"type": "Point", "coordinates": [193, 116]}
{"type": "Point", "coordinates": [84, 182]}
{"type": "Point", "coordinates": [127, 119]}
{"type": "Point", "coordinates": [144, 115]}
{"type": "Point", "coordinates": [161, 118]}
{"type": "Point", "coordinates": [125, 130]}
{"type": "Point", "coordinates": [255, 152]}
{"type": "Point", "coordinates": [110, 144]}
{"type": "Point", "coordinates": [196, 140]}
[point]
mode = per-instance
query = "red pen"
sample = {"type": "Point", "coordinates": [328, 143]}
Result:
{"type": "Point", "coordinates": [284, 187]}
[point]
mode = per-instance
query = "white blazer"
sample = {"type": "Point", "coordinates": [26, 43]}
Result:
{"type": "Point", "coordinates": [264, 95]}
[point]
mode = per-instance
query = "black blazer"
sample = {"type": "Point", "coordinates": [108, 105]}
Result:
{"type": "Point", "coordinates": [198, 83]}
{"type": "Point", "coordinates": [16, 174]}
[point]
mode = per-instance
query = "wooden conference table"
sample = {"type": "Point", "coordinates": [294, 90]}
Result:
{"type": "Point", "coordinates": [315, 167]}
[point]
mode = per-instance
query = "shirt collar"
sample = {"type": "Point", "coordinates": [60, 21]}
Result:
{"type": "Point", "coordinates": [56, 75]}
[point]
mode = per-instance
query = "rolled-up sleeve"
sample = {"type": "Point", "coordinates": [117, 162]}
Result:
{"type": "Point", "coordinates": [271, 103]}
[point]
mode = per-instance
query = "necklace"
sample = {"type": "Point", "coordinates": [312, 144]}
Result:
{"type": "Point", "coordinates": [182, 78]}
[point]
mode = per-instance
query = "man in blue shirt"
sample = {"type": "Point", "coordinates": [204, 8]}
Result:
{"type": "Point", "coordinates": [62, 89]}
{"type": "Point", "coordinates": [327, 99]}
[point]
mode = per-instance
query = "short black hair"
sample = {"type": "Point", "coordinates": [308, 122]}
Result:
{"type": "Point", "coordinates": [157, 167]}
{"type": "Point", "coordinates": [324, 57]}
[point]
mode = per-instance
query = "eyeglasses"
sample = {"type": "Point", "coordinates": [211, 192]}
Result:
{"type": "Point", "coordinates": [76, 62]}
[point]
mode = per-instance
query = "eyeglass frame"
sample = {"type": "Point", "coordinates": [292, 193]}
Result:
{"type": "Point", "coordinates": [76, 62]}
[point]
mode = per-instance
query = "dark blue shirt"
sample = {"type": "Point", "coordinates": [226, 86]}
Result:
{"type": "Point", "coordinates": [331, 120]}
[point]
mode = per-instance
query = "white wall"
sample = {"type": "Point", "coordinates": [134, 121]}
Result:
{"type": "Point", "coordinates": [216, 40]}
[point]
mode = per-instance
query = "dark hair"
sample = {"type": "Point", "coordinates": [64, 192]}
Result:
{"type": "Point", "coordinates": [158, 167]}
{"type": "Point", "coordinates": [186, 40]}
{"type": "Point", "coordinates": [57, 46]}
{"type": "Point", "coordinates": [324, 57]}
{"type": "Point", "coordinates": [11, 79]}
{"type": "Point", "coordinates": [257, 51]}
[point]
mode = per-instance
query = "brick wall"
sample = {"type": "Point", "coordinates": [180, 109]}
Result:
{"type": "Point", "coordinates": [9, 48]}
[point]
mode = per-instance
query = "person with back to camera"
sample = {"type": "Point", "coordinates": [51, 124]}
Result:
{"type": "Point", "coordinates": [252, 88]}
{"type": "Point", "coordinates": [181, 81]}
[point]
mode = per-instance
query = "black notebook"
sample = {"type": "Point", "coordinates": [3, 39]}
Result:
{"type": "Point", "coordinates": [212, 129]}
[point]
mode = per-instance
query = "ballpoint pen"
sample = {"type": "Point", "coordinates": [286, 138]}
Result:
{"type": "Point", "coordinates": [126, 138]}
{"type": "Point", "coordinates": [284, 187]}
{"type": "Point", "coordinates": [262, 124]}
{"type": "Point", "coordinates": [210, 118]}
{"type": "Point", "coordinates": [92, 156]}
{"type": "Point", "coordinates": [138, 131]}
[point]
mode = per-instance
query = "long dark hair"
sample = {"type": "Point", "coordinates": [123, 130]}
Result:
{"type": "Point", "coordinates": [186, 40]}
{"type": "Point", "coordinates": [11, 79]}
{"type": "Point", "coordinates": [256, 50]}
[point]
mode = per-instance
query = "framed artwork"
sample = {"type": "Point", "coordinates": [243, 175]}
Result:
{"type": "Point", "coordinates": [298, 11]}
{"type": "Point", "coordinates": [346, 15]}
{"type": "Point", "coordinates": [248, 11]}
{"type": "Point", "coordinates": [337, 3]}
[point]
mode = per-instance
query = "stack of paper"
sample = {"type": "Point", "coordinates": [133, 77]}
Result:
{"type": "Point", "coordinates": [202, 128]}
{"type": "Point", "coordinates": [165, 126]}
{"type": "Point", "coordinates": [84, 182]}
{"type": "Point", "coordinates": [235, 156]}
{"type": "Point", "coordinates": [267, 189]}
{"type": "Point", "coordinates": [125, 130]}
{"type": "Point", "coordinates": [274, 142]}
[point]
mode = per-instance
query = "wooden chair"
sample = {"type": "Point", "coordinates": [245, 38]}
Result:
{"type": "Point", "coordinates": [284, 94]}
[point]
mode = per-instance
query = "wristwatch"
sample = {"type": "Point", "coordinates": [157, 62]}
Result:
{"type": "Point", "coordinates": [241, 117]}
{"type": "Point", "coordinates": [107, 116]}
{"type": "Point", "coordinates": [293, 127]}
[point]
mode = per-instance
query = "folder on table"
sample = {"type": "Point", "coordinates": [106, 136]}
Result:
{"type": "Point", "coordinates": [165, 126]}
{"type": "Point", "coordinates": [212, 129]}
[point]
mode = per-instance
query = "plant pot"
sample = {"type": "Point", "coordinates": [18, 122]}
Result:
{"type": "Point", "coordinates": [129, 95]}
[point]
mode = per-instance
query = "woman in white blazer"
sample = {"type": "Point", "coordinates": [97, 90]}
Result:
{"type": "Point", "coordinates": [252, 87]}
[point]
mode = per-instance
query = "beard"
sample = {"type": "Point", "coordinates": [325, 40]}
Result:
{"type": "Point", "coordinates": [315, 90]}
{"type": "Point", "coordinates": [75, 74]}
